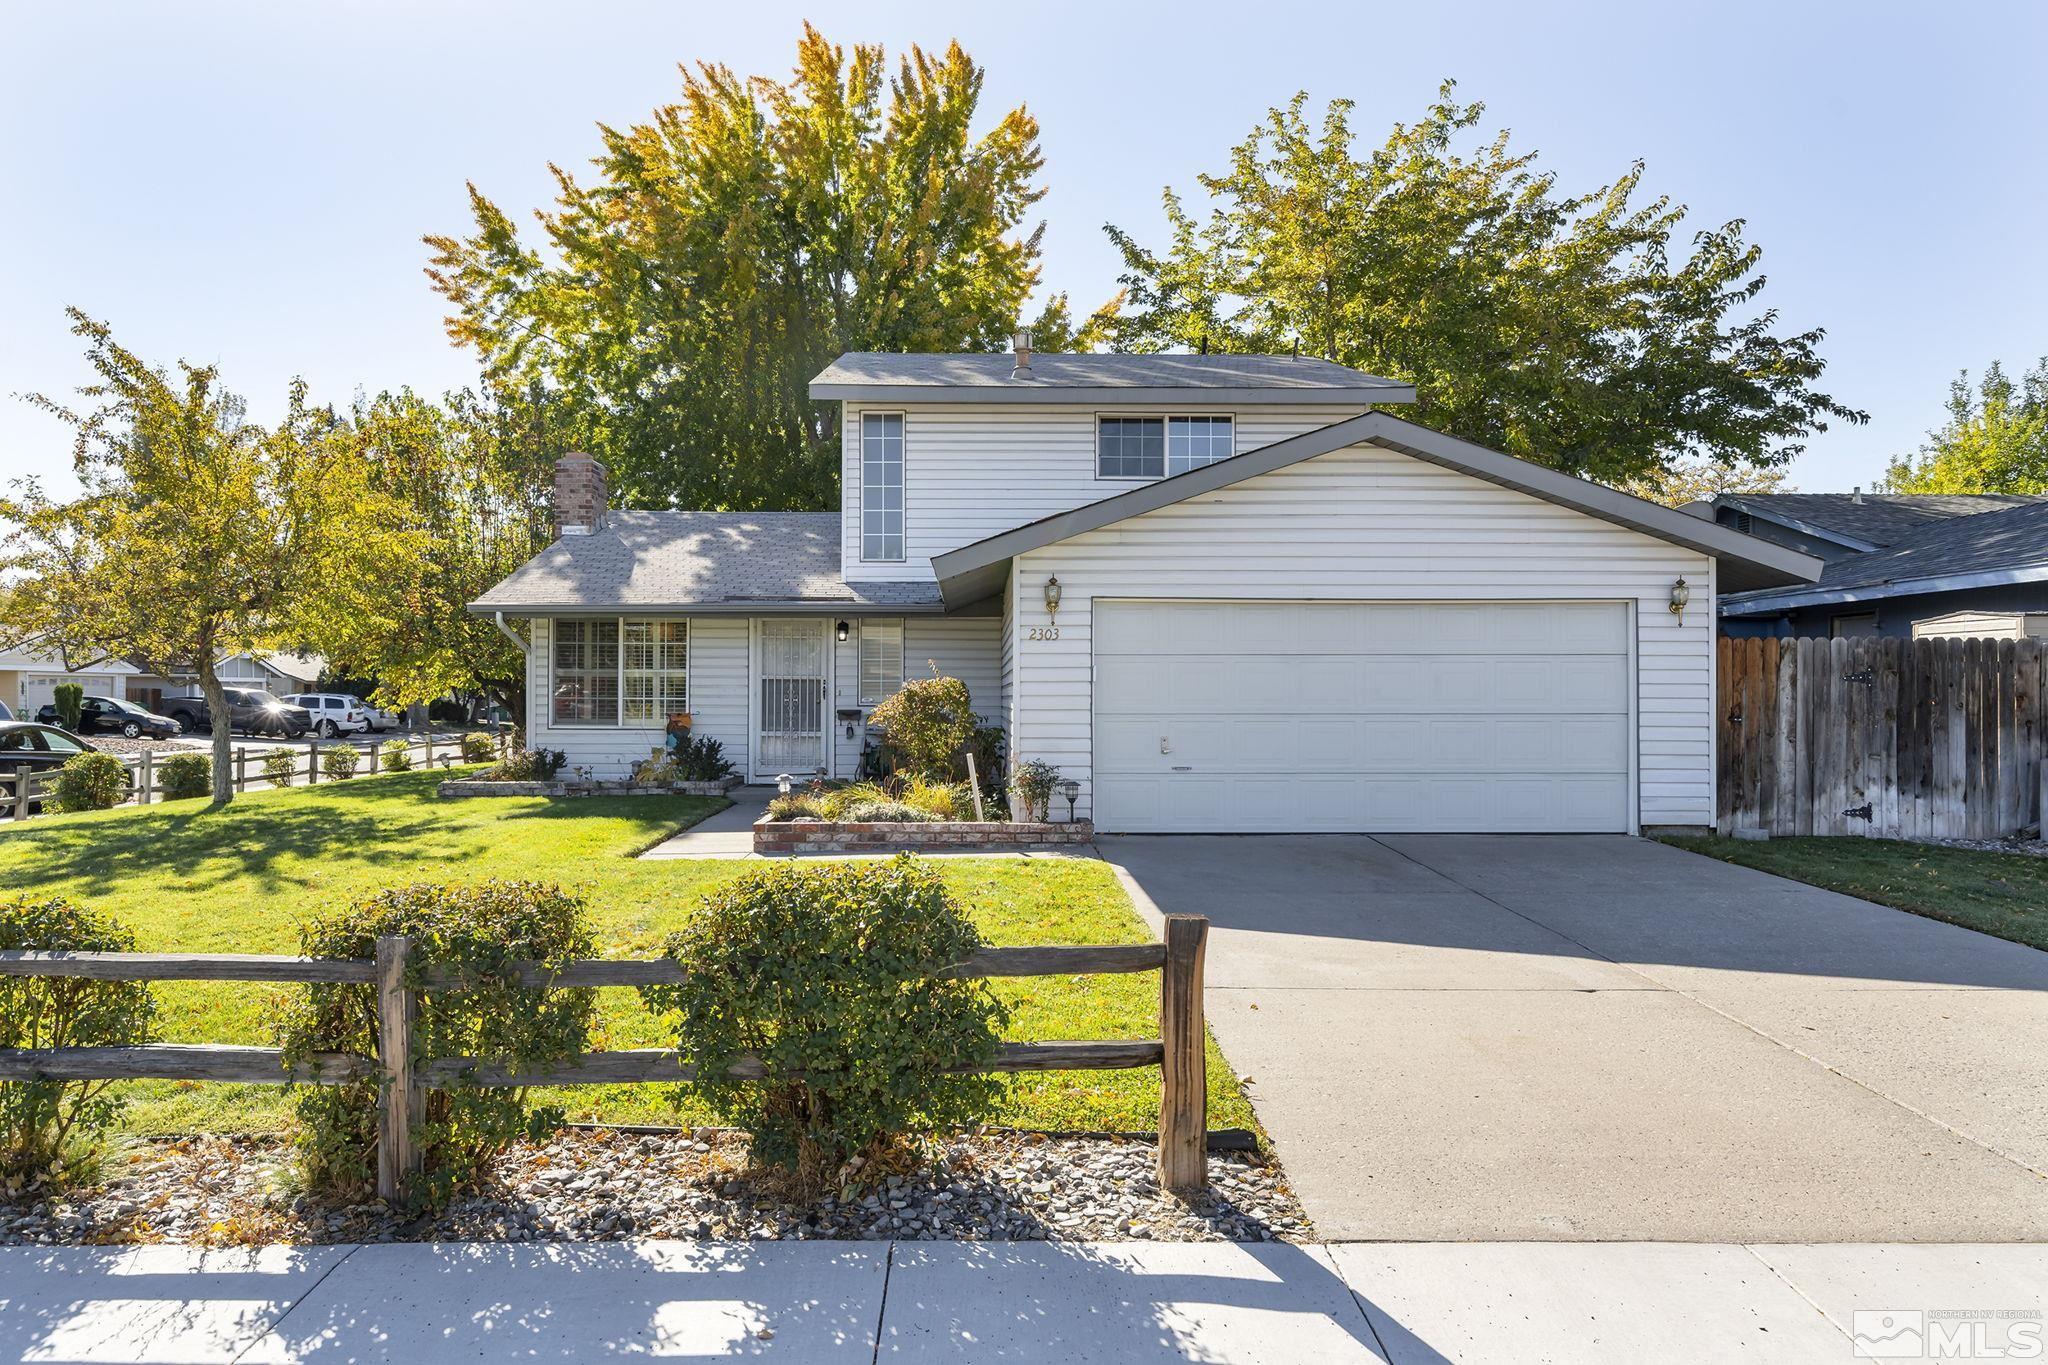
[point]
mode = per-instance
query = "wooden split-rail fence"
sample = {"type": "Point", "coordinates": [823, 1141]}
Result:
{"type": "Point", "coordinates": [403, 1079]}
{"type": "Point", "coordinates": [1893, 739]}
{"type": "Point", "coordinates": [23, 790]}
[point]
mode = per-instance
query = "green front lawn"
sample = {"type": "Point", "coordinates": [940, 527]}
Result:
{"type": "Point", "coordinates": [239, 880]}
{"type": "Point", "coordinates": [2005, 894]}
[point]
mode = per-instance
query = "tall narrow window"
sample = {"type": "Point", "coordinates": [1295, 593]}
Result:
{"type": "Point", "coordinates": [586, 672]}
{"type": "Point", "coordinates": [881, 485]}
{"type": "Point", "coordinates": [881, 660]}
{"type": "Point", "coordinates": [1192, 442]}
{"type": "Point", "coordinates": [654, 669]}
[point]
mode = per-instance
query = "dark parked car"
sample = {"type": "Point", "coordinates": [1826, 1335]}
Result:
{"type": "Point", "coordinates": [41, 748]}
{"type": "Point", "coordinates": [249, 711]}
{"type": "Point", "coordinates": [113, 716]}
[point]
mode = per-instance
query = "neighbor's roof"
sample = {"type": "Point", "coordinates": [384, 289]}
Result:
{"type": "Point", "coordinates": [972, 572]}
{"type": "Point", "coordinates": [1984, 550]}
{"type": "Point", "coordinates": [890, 377]}
{"type": "Point", "coordinates": [748, 563]}
{"type": "Point", "coordinates": [1872, 520]}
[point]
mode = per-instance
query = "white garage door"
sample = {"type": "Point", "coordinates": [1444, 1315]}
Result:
{"type": "Point", "coordinates": [40, 689]}
{"type": "Point", "coordinates": [1293, 716]}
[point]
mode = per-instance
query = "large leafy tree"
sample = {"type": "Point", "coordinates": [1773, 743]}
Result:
{"type": "Point", "coordinates": [1561, 328]}
{"type": "Point", "coordinates": [1995, 439]}
{"type": "Point", "coordinates": [730, 246]}
{"type": "Point", "coordinates": [197, 534]}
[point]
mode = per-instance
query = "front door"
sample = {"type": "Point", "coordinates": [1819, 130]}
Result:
{"type": "Point", "coordinates": [789, 666]}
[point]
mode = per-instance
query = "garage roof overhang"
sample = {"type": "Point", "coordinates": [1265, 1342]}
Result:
{"type": "Point", "coordinates": [975, 571]}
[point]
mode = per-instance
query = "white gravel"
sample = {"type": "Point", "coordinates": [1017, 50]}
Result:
{"type": "Point", "coordinates": [605, 1186]}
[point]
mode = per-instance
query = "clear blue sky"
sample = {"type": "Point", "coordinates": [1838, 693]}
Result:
{"type": "Point", "coordinates": [247, 184]}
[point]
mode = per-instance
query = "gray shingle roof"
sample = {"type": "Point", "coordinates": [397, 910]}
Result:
{"type": "Point", "coordinates": [890, 376]}
{"type": "Point", "coordinates": [2012, 542]}
{"type": "Point", "coordinates": [702, 561]}
{"type": "Point", "coordinates": [1877, 518]}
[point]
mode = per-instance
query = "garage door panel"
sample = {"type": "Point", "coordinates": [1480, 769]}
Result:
{"type": "Point", "coordinates": [1508, 716]}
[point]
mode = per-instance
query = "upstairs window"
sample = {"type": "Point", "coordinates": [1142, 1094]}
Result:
{"type": "Point", "coordinates": [881, 485]}
{"type": "Point", "coordinates": [1158, 447]}
{"type": "Point", "coordinates": [881, 660]}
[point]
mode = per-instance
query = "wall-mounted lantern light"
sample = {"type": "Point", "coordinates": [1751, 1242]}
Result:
{"type": "Point", "coordinates": [1680, 595]}
{"type": "Point", "coordinates": [844, 631]}
{"type": "Point", "coordinates": [1052, 596]}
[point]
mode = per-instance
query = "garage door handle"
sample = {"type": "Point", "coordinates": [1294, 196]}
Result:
{"type": "Point", "coordinates": [1164, 747]}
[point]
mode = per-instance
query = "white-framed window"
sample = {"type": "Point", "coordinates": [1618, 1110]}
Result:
{"type": "Point", "coordinates": [881, 485]}
{"type": "Point", "coordinates": [611, 670]}
{"type": "Point", "coordinates": [1160, 447]}
{"type": "Point", "coordinates": [881, 660]}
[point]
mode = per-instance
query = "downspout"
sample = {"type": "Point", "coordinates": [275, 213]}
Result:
{"type": "Point", "coordinates": [498, 619]}
{"type": "Point", "coordinates": [526, 659]}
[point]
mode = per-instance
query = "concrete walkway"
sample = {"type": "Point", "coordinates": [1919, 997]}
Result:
{"type": "Point", "coordinates": [1457, 1038]}
{"type": "Point", "coordinates": [1112, 1304]}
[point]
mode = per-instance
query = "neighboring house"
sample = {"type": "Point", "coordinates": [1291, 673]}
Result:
{"type": "Point", "coordinates": [1908, 566]}
{"type": "Point", "coordinates": [277, 674]}
{"type": "Point", "coordinates": [28, 679]}
{"type": "Point", "coordinates": [1220, 592]}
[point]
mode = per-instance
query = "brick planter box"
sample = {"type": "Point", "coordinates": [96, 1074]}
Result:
{"type": "Point", "coordinates": [470, 786]}
{"type": "Point", "coordinates": [827, 836]}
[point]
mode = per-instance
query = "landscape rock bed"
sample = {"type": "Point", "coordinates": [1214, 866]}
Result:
{"type": "Point", "coordinates": [474, 786]}
{"type": "Point", "coordinates": [611, 1185]}
{"type": "Point", "coordinates": [937, 836]}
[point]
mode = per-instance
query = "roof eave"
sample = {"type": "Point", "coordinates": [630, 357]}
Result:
{"type": "Point", "coordinates": [1841, 538]}
{"type": "Point", "coordinates": [1032, 391]}
{"type": "Point", "coordinates": [727, 607]}
{"type": "Point", "coordinates": [1771, 602]}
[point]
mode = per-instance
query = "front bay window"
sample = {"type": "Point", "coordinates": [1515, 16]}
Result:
{"type": "Point", "coordinates": [620, 671]}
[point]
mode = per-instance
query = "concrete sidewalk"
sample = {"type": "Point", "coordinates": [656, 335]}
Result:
{"type": "Point", "coordinates": [1121, 1303]}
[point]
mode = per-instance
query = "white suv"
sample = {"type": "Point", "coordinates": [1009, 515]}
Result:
{"type": "Point", "coordinates": [334, 714]}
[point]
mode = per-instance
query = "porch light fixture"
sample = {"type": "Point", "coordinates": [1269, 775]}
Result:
{"type": "Point", "coordinates": [1052, 595]}
{"type": "Point", "coordinates": [844, 631]}
{"type": "Point", "coordinates": [1680, 595]}
{"type": "Point", "coordinates": [1072, 791]}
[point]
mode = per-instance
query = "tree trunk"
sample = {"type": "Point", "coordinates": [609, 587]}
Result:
{"type": "Point", "coordinates": [223, 732]}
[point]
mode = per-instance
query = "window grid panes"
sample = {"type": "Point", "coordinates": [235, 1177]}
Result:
{"type": "Point", "coordinates": [881, 485]}
{"type": "Point", "coordinates": [1192, 442]}
{"type": "Point", "coordinates": [586, 672]}
{"type": "Point", "coordinates": [881, 660]}
{"type": "Point", "coordinates": [654, 658]}
{"type": "Point", "coordinates": [1131, 448]}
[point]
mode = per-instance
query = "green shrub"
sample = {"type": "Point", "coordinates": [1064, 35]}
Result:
{"type": "Point", "coordinates": [799, 806]}
{"type": "Point", "coordinates": [828, 976]}
{"type": "Point", "coordinates": [91, 781]}
{"type": "Point", "coordinates": [281, 767]}
{"type": "Point", "coordinates": [45, 1124]}
{"type": "Point", "coordinates": [474, 931]}
{"type": "Point", "coordinates": [339, 763]}
{"type": "Point", "coordinates": [182, 776]}
{"type": "Point", "coordinates": [702, 760]}
{"type": "Point", "coordinates": [478, 747]}
{"type": "Point", "coordinates": [929, 722]}
{"type": "Point", "coordinates": [1033, 783]}
{"type": "Point", "coordinates": [529, 765]}
{"type": "Point", "coordinates": [69, 699]}
{"type": "Point", "coordinates": [893, 811]}
{"type": "Point", "coordinates": [397, 756]}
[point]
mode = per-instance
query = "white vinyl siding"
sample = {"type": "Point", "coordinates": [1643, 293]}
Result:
{"type": "Point", "coordinates": [881, 486]}
{"type": "Point", "coordinates": [971, 470]}
{"type": "Point", "coordinates": [965, 647]}
{"type": "Point", "coordinates": [1368, 524]}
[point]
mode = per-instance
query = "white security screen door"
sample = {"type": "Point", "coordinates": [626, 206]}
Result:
{"type": "Point", "coordinates": [790, 664]}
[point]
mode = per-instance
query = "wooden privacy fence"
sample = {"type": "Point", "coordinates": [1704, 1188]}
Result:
{"type": "Point", "coordinates": [1895, 739]}
{"type": "Point", "coordinates": [1178, 1051]}
{"type": "Point", "coordinates": [22, 787]}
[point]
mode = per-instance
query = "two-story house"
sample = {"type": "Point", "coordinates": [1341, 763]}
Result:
{"type": "Point", "coordinates": [1223, 593]}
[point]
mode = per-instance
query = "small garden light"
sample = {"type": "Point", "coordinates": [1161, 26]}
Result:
{"type": "Point", "coordinates": [844, 631]}
{"type": "Point", "coordinates": [1680, 595]}
{"type": "Point", "coordinates": [1052, 595]}
{"type": "Point", "coordinates": [782, 785]}
{"type": "Point", "coordinates": [1072, 791]}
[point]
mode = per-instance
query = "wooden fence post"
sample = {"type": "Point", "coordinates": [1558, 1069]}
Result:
{"type": "Point", "coordinates": [396, 1159]}
{"type": "Point", "coordinates": [1183, 1070]}
{"type": "Point", "coordinates": [313, 761]}
{"type": "Point", "coordinates": [148, 777]}
{"type": "Point", "coordinates": [22, 777]}
{"type": "Point", "coordinates": [373, 758]}
{"type": "Point", "coordinates": [241, 769]}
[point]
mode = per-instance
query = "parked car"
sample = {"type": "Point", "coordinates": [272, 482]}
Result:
{"type": "Point", "coordinates": [6, 711]}
{"type": "Point", "coordinates": [115, 716]}
{"type": "Point", "coordinates": [336, 713]}
{"type": "Point", "coordinates": [250, 711]}
{"type": "Point", "coordinates": [380, 719]}
{"type": "Point", "coordinates": [40, 748]}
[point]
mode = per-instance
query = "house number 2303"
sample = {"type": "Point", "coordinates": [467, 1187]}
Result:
{"type": "Point", "coordinates": [1042, 633]}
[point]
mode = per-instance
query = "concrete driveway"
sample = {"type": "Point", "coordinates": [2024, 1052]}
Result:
{"type": "Point", "coordinates": [1496, 1037]}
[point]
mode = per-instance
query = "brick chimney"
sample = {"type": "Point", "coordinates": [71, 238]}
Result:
{"type": "Point", "coordinates": [580, 494]}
